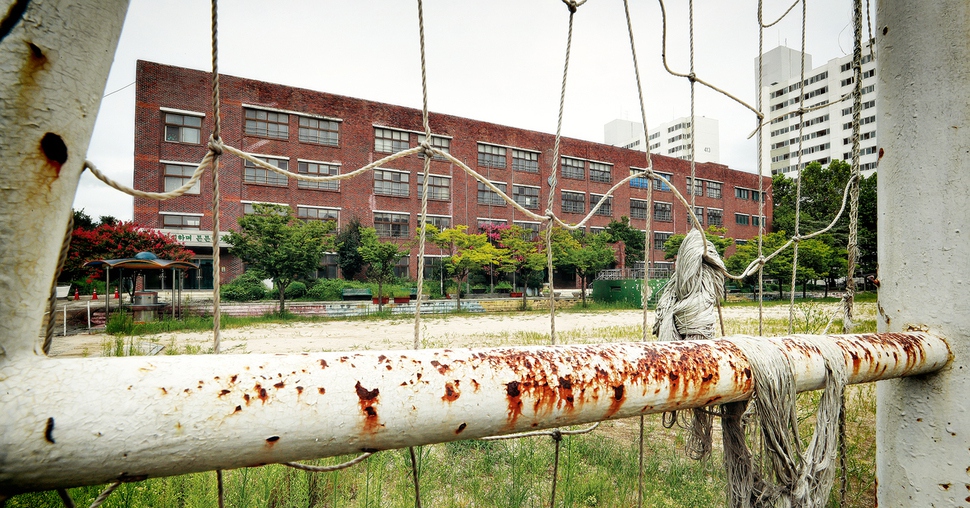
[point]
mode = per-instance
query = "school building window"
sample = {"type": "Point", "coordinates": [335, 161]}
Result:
{"type": "Point", "coordinates": [175, 221]}
{"type": "Point", "coordinates": [318, 169]}
{"type": "Point", "coordinates": [606, 208]}
{"type": "Point", "coordinates": [638, 209]}
{"type": "Point", "coordinates": [741, 219]}
{"type": "Point", "coordinates": [392, 225]}
{"type": "Point", "coordinates": [443, 144]}
{"type": "Point", "coordinates": [268, 124]}
{"type": "Point", "coordinates": [181, 128]}
{"type": "Point", "coordinates": [491, 156]}
{"type": "Point", "coordinates": [177, 175]}
{"type": "Point", "coordinates": [600, 172]}
{"type": "Point", "coordinates": [573, 202]}
{"type": "Point", "coordinates": [659, 239]}
{"type": "Point", "coordinates": [260, 175]}
{"type": "Point", "coordinates": [525, 161]}
{"type": "Point", "coordinates": [526, 196]}
{"type": "Point", "coordinates": [439, 187]}
{"type": "Point", "coordinates": [319, 131]}
{"type": "Point", "coordinates": [392, 183]}
{"type": "Point", "coordinates": [391, 141]}
{"type": "Point", "coordinates": [487, 196]}
{"type": "Point", "coordinates": [663, 212]}
{"type": "Point", "coordinates": [573, 168]}
{"type": "Point", "coordinates": [317, 213]}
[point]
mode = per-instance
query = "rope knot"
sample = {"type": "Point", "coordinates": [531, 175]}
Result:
{"type": "Point", "coordinates": [692, 77]}
{"type": "Point", "coordinates": [572, 5]}
{"type": "Point", "coordinates": [426, 148]}
{"type": "Point", "coordinates": [215, 145]}
{"type": "Point", "coordinates": [549, 214]}
{"type": "Point", "coordinates": [556, 435]}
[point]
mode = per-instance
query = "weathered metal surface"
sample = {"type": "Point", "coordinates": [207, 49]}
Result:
{"type": "Point", "coordinates": [85, 421]}
{"type": "Point", "coordinates": [923, 72]}
{"type": "Point", "coordinates": [53, 66]}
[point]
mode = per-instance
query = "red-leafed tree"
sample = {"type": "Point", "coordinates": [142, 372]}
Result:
{"type": "Point", "coordinates": [111, 239]}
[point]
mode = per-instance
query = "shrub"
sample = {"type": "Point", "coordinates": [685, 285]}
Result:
{"type": "Point", "coordinates": [296, 289]}
{"type": "Point", "coordinates": [245, 288]}
{"type": "Point", "coordinates": [328, 290]}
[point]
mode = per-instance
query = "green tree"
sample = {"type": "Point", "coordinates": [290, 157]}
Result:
{"type": "Point", "coordinates": [778, 268]}
{"type": "Point", "coordinates": [280, 245]}
{"type": "Point", "coordinates": [714, 235]}
{"type": "Point", "coordinates": [348, 256]}
{"type": "Point", "coordinates": [587, 254]}
{"type": "Point", "coordinates": [822, 189]}
{"type": "Point", "coordinates": [525, 255]}
{"type": "Point", "coordinates": [467, 252]}
{"type": "Point", "coordinates": [381, 258]}
{"type": "Point", "coordinates": [632, 238]}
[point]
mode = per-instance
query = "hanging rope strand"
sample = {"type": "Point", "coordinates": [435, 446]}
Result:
{"type": "Point", "coordinates": [798, 182]}
{"type": "Point", "coordinates": [550, 201]}
{"type": "Point", "coordinates": [761, 172]}
{"type": "Point", "coordinates": [214, 146]}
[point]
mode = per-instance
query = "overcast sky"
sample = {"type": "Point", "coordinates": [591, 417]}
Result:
{"type": "Point", "coordinates": [499, 61]}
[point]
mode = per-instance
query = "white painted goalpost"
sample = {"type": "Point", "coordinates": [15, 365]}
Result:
{"type": "Point", "coordinates": [70, 422]}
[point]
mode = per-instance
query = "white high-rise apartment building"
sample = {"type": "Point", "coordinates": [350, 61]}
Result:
{"type": "Point", "coordinates": [672, 139]}
{"type": "Point", "coordinates": [826, 133]}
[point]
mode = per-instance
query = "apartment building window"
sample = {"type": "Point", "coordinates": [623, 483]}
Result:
{"type": "Point", "coordinates": [259, 175]}
{"type": "Point", "coordinates": [606, 208]}
{"type": "Point", "coordinates": [573, 168]}
{"type": "Point", "coordinates": [659, 239]}
{"type": "Point", "coordinates": [177, 175]}
{"type": "Point", "coordinates": [318, 169]}
{"type": "Point", "coordinates": [526, 196]}
{"type": "Point", "coordinates": [661, 185]}
{"type": "Point", "coordinates": [532, 227]}
{"type": "Point", "coordinates": [663, 212]}
{"type": "Point", "coordinates": [183, 128]}
{"type": "Point", "coordinates": [741, 193]}
{"type": "Point", "coordinates": [487, 196]}
{"type": "Point", "coordinates": [176, 221]}
{"type": "Point", "coordinates": [319, 131]}
{"type": "Point", "coordinates": [439, 187]}
{"type": "Point", "coordinates": [441, 222]}
{"type": "Point", "coordinates": [491, 156]}
{"type": "Point", "coordinates": [741, 219]}
{"type": "Point", "coordinates": [638, 209]}
{"type": "Point", "coordinates": [715, 217]}
{"type": "Point", "coordinates": [392, 225]}
{"type": "Point", "coordinates": [390, 140]}
{"type": "Point", "coordinates": [441, 143]}
{"type": "Point", "coordinates": [317, 213]}
{"type": "Point", "coordinates": [714, 190]}
{"type": "Point", "coordinates": [573, 202]}
{"type": "Point", "coordinates": [600, 172]}
{"type": "Point", "coordinates": [392, 183]}
{"type": "Point", "coordinates": [525, 161]}
{"type": "Point", "coordinates": [268, 124]}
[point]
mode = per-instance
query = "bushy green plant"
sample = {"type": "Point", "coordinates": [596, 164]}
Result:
{"type": "Point", "coordinates": [120, 323]}
{"type": "Point", "coordinates": [245, 288]}
{"type": "Point", "coordinates": [296, 290]}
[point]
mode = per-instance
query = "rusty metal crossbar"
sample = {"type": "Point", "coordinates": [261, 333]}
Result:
{"type": "Point", "coordinates": [72, 422]}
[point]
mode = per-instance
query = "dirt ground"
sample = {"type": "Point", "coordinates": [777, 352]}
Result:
{"type": "Point", "coordinates": [437, 331]}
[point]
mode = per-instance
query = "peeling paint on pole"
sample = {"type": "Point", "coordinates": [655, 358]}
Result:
{"type": "Point", "coordinates": [86, 421]}
{"type": "Point", "coordinates": [923, 68]}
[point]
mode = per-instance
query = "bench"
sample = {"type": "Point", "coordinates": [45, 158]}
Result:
{"type": "Point", "coordinates": [356, 294]}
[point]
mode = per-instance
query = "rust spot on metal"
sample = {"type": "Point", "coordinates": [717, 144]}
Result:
{"type": "Point", "coordinates": [460, 428]}
{"type": "Point", "coordinates": [216, 378]}
{"type": "Point", "coordinates": [515, 402]}
{"type": "Point", "coordinates": [299, 390]}
{"type": "Point", "coordinates": [224, 392]}
{"type": "Point", "coordinates": [451, 392]}
{"type": "Point", "coordinates": [246, 398]}
{"type": "Point", "coordinates": [233, 378]}
{"type": "Point", "coordinates": [368, 398]}
{"type": "Point", "coordinates": [262, 395]}
{"type": "Point", "coordinates": [945, 486]}
{"type": "Point", "coordinates": [321, 390]}
{"type": "Point", "coordinates": [238, 409]}
{"type": "Point", "coordinates": [49, 431]}
{"type": "Point", "coordinates": [475, 385]}
{"type": "Point", "coordinates": [272, 439]}
{"type": "Point", "coordinates": [54, 149]}
{"type": "Point", "coordinates": [365, 394]}
{"type": "Point", "coordinates": [164, 391]}
{"type": "Point", "coordinates": [389, 367]}
{"type": "Point", "coordinates": [186, 390]}
{"type": "Point", "coordinates": [279, 385]}
{"type": "Point", "coordinates": [442, 368]}
{"type": "Point", "coordinates": [619, 395]}
{"type": "Point", "coordinates": [323, 364]}
{"type": "Point", "coordinates": [381, 359]}
{"type": "Point", "coordinates": [419, 376]}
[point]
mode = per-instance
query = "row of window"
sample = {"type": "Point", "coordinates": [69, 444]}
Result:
{"type": "Point", "coordinates": [865, 105]}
